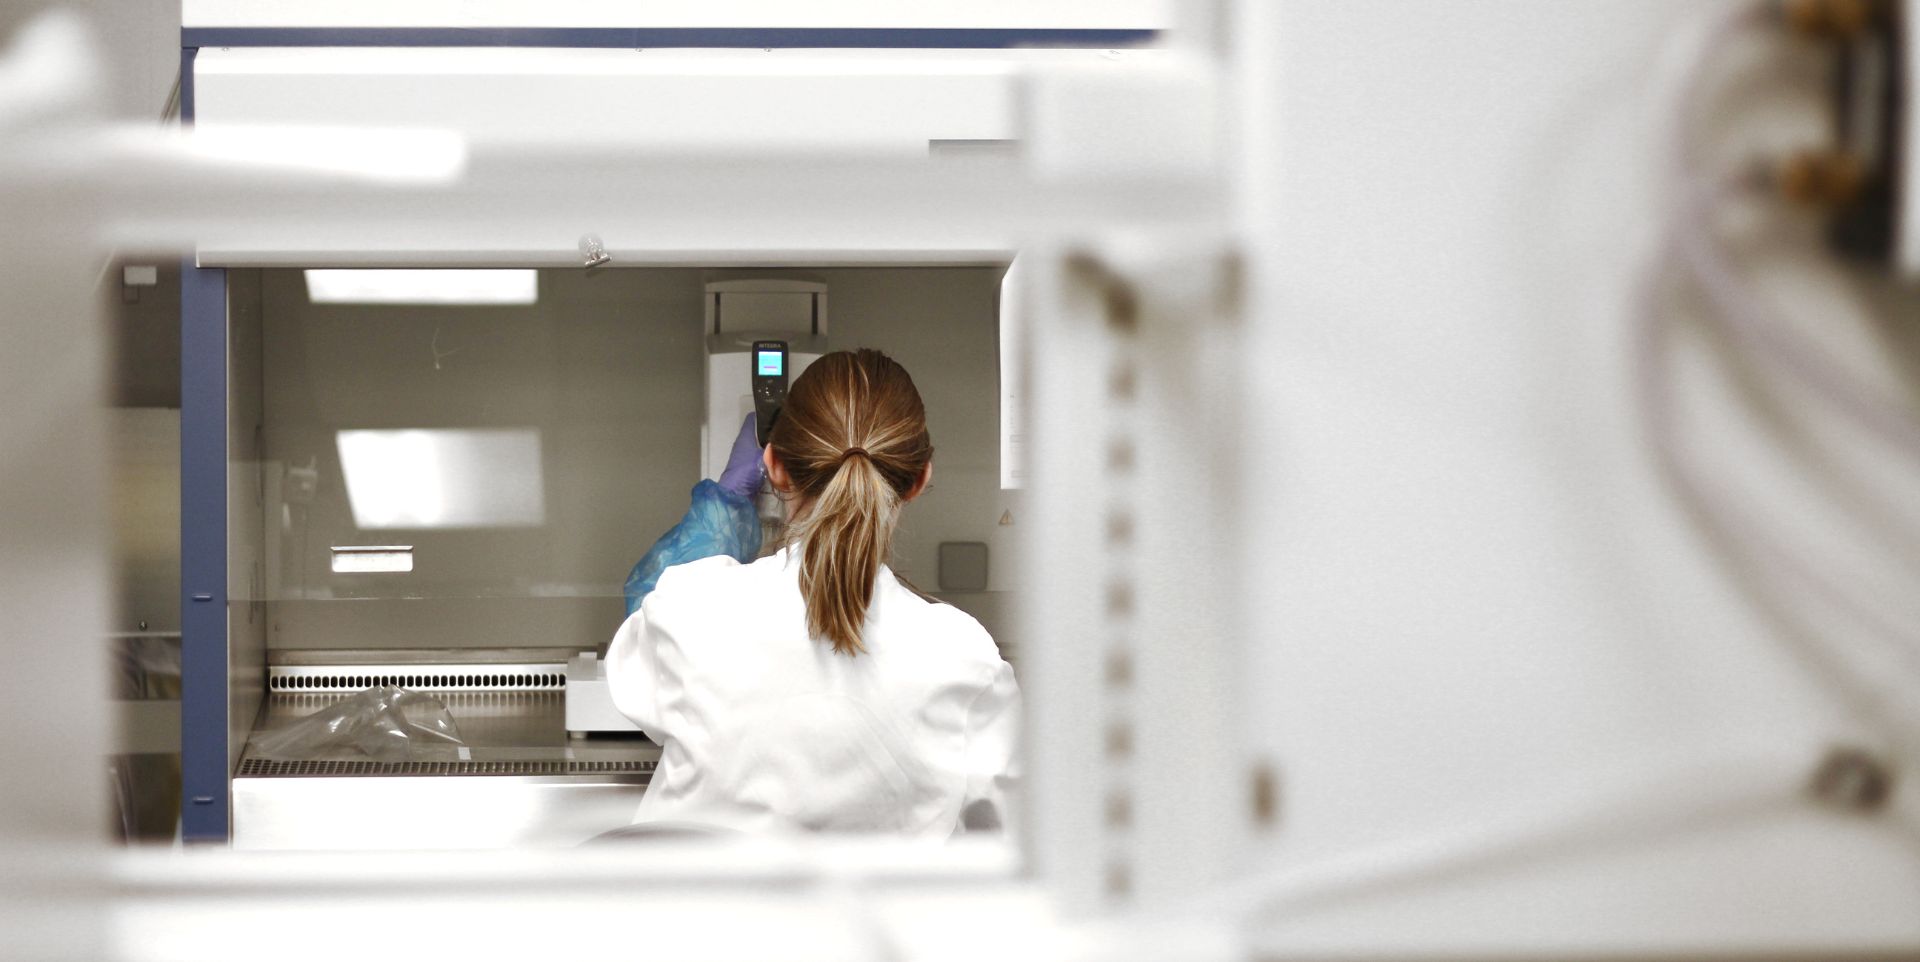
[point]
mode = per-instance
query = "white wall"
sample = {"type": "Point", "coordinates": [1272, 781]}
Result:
{"type": "Point", "coordinates": [864, 100]}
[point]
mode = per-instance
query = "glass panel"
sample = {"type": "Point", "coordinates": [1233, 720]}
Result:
{"type": "Point", "coordinates": [443, 478]}
{"type": "Point", "coordinates": [515, 460]}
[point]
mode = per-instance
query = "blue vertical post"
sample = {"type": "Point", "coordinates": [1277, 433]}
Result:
{"type": "Point", "coordinates": [186, 84]}
{"type": "Point", "coordinates": [204, 692]}
{"type": "Point", "coordinates": [204, 767]}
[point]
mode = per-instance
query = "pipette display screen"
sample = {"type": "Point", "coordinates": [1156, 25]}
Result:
{"type": "Point", "coordinates": [770, 363]}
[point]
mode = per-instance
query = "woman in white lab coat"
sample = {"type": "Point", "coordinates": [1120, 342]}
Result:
{"type": "Point", "coordinates": [814, 689]}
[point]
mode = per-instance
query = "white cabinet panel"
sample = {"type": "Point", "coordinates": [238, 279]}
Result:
{"type": "Point", "coordinates": [697, 100]}
{"type": "Point", "coordinates": [1016, 14]}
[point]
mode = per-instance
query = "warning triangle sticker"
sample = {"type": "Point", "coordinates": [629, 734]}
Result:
{"type": "Point", "coordinates": [1007, 517]}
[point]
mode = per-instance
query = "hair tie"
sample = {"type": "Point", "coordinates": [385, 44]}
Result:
{"type": "Point", "coordinates": [850, 452]}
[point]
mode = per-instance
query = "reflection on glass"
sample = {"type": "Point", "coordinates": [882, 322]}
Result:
{"type": "Point", "coordinates": [423, 287]}
{"type": "Point", "coordinates": [420, 478]}
{"type": "Point", "coordinates": [365, 558]}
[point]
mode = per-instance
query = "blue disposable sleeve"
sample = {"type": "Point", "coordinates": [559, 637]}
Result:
{"type": "Point", "coordinates": [717, 523]}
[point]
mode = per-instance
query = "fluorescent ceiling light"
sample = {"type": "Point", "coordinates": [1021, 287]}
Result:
{"type": "Point", "coordinates": [355, 558]}
{"type": "Point", "coordinates": [443, 478]}
{"type": "Point", "coordinates": [423, 287]}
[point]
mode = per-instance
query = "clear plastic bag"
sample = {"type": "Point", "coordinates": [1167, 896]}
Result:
{"type": "Point", "coordinates": [148, 667]}
{"type": "Point", "coordinates": [385, 723]}
{"type": "Point", "coordinates": [717, 523]}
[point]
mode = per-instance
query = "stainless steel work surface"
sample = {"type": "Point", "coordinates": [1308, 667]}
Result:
{"type": "Point", "coordinates": [521, 781]}
{"type": "Point", "coordinates": [430, 812]}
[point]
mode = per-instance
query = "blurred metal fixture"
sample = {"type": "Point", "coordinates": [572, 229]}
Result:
{"type": "Point", "coordinates": [592, 252]}
{"type": "Point", "coordinates": [1820, 178]}
{"type": "Point", "coordinates": [1831, 19]}
{"type": "Point", "coordinates": [1854, 177]}
{"type": "Point", "coordinates": [1853, 780]}
{"type": "Point", "coordinates": [1265, 785]}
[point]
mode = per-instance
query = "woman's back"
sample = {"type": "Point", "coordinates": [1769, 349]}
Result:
{"type": "Point", "coordinates": [812, 689]}
{"type": "Point", "coordinates": [764, 726]}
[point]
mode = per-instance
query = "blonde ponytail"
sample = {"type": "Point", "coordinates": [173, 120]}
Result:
{"type": "Point", "coordinates": [853, 438]}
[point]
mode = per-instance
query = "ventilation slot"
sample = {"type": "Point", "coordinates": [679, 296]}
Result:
{"type": "Point", "coordinates": [304, 678]}
{"type": "Point", "coordinates": [274, 768]}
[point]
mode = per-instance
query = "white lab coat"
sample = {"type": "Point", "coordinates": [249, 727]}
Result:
{"type": "Point", "coordinates": [764, 728]}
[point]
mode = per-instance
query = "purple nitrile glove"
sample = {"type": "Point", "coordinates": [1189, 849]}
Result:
{"type": "Point", "coordinates": [742, 476]}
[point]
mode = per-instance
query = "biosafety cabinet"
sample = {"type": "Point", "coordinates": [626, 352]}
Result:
{"type": "Point", "coordinates": [448, 496]}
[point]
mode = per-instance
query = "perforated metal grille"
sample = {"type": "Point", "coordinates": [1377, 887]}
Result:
{"type": "Point", "coordinates": [265, 768]}
{"type": "Point", "coordinates": [299, 678]}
